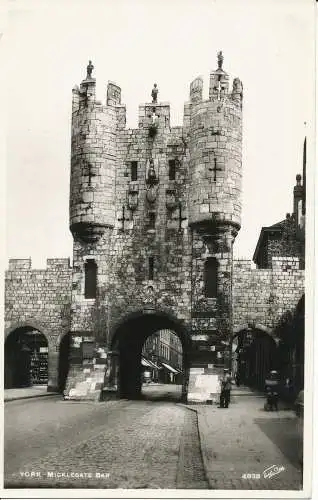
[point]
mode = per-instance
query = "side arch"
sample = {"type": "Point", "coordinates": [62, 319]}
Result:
{"type": "Point", "coordinates": [27, 352]}
{"type": "Point", "coordinates": [257, 328]}
{"type": "Point", "coordinates": [255, 355]}
{"type": "Point", "coordinates": [28, 323]}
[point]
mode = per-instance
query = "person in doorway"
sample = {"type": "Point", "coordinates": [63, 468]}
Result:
{"type": "Point", "coordinates": [226, 385]}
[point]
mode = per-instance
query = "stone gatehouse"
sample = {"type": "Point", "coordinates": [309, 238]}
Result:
{"type": "Point", "coordinates": [154, 213]}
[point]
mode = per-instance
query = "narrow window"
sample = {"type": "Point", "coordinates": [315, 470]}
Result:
{"type": "Point", "coordinates": [90, 279]}
{"type": "Point", "coordinates": [133, 168]}
{"type": "Point", "coordinates": [152, 220]}
{"type": "Point", "coordinates": [172, 170]}
{"type": "Point", "coordinates": [150, 268]}
{"type": "Point", "coordinates": [210, 277]}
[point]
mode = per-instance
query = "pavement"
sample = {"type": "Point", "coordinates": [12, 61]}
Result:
{"type": "Point", "coordinates": [51, 443]}
{"type": "Point", "coordinates": [247, 448]}
{"type": "Point", "coordinates": [152, 443]}
{"type": "Point", "coordinates": [35, 391]}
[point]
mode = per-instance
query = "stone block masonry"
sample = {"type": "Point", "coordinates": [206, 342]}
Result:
{"type": "Point", "coordinates": [154, 213]}
{"type": "Point", "coordinates": [159, 197]}
{"type": "Point", "coordinates": [262, 296]}
{"type": "Point", "coordinates": [40, 299]}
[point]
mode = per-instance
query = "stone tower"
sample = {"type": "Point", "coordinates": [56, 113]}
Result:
{"type": "Point", "coordinates": [214, 201]}
{"type": "Point", "coordinates": [154, 212]}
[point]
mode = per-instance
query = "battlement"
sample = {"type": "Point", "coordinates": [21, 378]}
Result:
{"type": "Point", "coordinates": [206, 152]}
{"type": "Point", "coordinates": [281, 264]}
{"type": "Point", "coordinates": [51, 264]}
{"type": "Point", "coordinates": [218, 89]}
{"type": "Point", "coordinates": [19, 264]}
{"type": "Point", "coordinates": [85, 96]}
{"type": "Point", "coordinates": [154, 115]}
{"type": "Point", "coordinates": [158, 113]}
{"type": "Point", "coordinates": [243, 264]}
{"type": "Point", "coordinates": [58, 263]}
{"type": "Point", "coordinates": [285, 263]}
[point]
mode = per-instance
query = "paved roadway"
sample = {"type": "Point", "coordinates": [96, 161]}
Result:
{"type": "Point", "coordinates": [116, 444]}
{"type": "Point", "coordinates": [150, 443]}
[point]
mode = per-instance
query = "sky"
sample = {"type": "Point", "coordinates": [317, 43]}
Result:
{"type": "Point", "coordinates": [268, 45]}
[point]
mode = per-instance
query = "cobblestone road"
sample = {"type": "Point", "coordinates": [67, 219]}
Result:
{"type": "Point", "coordinates": [118, 444]}
{"type": "Point", "coordinates": [149, 444]}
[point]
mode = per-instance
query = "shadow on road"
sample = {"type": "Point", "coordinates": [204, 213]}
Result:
{"type": "Point", "coordinates": [282, 432]}
{"type": "Point", "coordinates": [161, 392]}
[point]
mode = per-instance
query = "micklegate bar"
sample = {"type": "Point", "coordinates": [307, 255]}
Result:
{"type": "Point", "coordinates": [154, 213]}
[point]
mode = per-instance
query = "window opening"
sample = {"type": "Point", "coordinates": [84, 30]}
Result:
{"type": "Point", "coordinates": [90, 279]}
{"type": "Point", "coordinates": [172, 170]}
{"type": "Point", "coordinates": [133, 170]}
{"type": "Point", "coordinates": [210, 277]}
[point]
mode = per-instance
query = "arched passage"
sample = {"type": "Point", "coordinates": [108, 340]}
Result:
{"type": "Point", "coordinates": [291, 332]}
{"type": "Point", "coordinates": [64, 354]}
{"type": "Point", "coordinates": [128, 340]}
{"type": "Point", "coordinates": [255, 356]}
{"type": "Point", "coordinates": [25, 358]}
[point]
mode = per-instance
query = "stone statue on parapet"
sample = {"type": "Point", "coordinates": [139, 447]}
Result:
{"type": "Point", "coordinates": [90, 68]}
{"type": "Point", "coordinates": [237, 86]}
{"type": "Point", "coordinates": [154, 93]}
{"type": "Point", "coordinates": [220, 59]}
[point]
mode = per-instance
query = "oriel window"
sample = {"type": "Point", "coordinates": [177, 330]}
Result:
{"type": "Point", "coordinates": [172, 170]}
{"type": "Point", "coordinates": [210, 277]}
{"type": "Point", "coordinates": [134, 170]}
{"type": "Point", "coordinates": [90, 279]}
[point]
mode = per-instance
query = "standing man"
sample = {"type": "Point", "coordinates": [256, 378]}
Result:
{"type": "Point", "coordinates": [226, 385]}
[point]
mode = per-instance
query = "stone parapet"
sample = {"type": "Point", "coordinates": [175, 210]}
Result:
{"type": "Point", "coordinates": [263, 295]}
{"type": "Point", "coordinates": [19, 264]}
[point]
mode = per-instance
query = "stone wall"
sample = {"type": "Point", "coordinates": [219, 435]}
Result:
{"type": "Point", "coordinates": [287, 244]}
{"type": "Point", "coordinates": [286, 239]}
{"type": "Point", "coordinates": [40, 299]}
{"type": "Point", "coordinates": [262, 296]}
{"type": "Point", "coordinates": [155, 216]}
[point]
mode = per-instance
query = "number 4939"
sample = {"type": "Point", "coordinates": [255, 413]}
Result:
{"type": "Point", "coordinates": [251, 476]}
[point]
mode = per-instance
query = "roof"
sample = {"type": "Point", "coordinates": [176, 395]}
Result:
{"type": "Point", "coordinates": [278, 227]}
{"type": "Point", "coordinates": [170, 368]}
{"type": "Point", "coordinates": [151, 364]}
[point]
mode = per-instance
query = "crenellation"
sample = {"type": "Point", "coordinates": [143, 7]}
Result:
{"type": "Point", "coordinates": [19, 264]}
{"type": "Point", "coordinates": [58, 263]}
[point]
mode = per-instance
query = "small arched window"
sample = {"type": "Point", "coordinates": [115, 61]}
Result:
{"type": "Point", "coordinates": [210, 277]}
{"type": "Point", "coordinates": [90, 279]}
